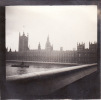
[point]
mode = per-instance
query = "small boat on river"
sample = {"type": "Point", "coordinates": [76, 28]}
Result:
{"type": "Point", "coordinates": [20, 65]}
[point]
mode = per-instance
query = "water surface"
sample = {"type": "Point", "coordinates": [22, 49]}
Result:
{"type": "Point", "coordinates": [33, 68]}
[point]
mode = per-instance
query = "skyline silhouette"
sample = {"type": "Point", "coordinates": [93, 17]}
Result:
{"type": "Point", "coordinates": [65, 25]}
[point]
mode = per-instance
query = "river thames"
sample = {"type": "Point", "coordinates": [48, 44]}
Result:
{"type": "Point", "coordinates": [33, 68]}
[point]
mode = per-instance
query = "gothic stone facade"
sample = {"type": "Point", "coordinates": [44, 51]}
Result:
{"type": "Point", "coordinates": [81, 55]}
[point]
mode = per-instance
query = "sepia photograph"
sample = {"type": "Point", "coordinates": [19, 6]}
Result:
{"type": "Point", "coordinates": [52, 52]}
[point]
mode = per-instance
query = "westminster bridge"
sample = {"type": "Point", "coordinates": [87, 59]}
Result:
{"type": "Point", "coordinates": [50, 83]}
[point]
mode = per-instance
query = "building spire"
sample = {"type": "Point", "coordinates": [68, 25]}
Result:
{"type": "Point", "coordinates": [48, 44]}
{"type": "Point", "coordinates": [10, 50]}
{"type": "Point", "coordinates": [23, 33]}
{"type": "Point", "coordinates": [39, 46]}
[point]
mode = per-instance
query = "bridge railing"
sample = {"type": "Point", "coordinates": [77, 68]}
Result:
{"type": "Point", "coordinates": [43, 83]}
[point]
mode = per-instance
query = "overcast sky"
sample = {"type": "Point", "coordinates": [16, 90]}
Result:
{"type": "Point", "coordinates": [65, 25]}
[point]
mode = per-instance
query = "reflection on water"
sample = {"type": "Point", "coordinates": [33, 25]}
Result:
{"type": "Point", "coordinates": [33, 68]}
{"type": "Point", "coordinates": [21, 71]}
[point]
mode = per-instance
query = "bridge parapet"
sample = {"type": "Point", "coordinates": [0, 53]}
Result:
{"type": "Point", "coordinates": [44, 83]}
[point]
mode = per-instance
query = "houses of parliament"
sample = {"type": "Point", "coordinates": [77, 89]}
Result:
{"type": "Point", "coordinates": [81, 56]}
